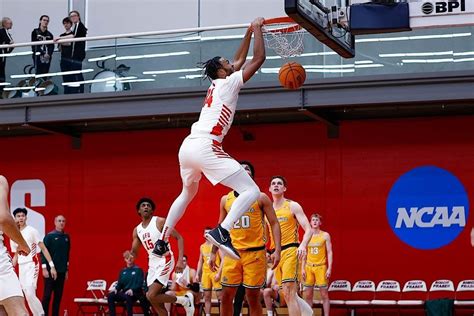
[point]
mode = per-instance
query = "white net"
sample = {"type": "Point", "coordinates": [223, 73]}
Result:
{"type": "Point", "coordinates": [286, 39]}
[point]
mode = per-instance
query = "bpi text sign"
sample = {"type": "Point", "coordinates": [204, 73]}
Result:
{"type": "Point", "coordinates": [427, 207]}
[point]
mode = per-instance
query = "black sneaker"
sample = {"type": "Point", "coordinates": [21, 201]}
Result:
{"type": "Point", "coordinates": [221, 238]}
{"type": "Point", "coordinates": [161, 248]}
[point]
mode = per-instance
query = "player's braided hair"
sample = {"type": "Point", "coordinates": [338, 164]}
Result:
{"type": "Point", "coordinates": [210, 67]}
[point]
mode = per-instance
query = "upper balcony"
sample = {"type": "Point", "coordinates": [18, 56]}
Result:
{"type": "Point", "coordinates": [163, 67]}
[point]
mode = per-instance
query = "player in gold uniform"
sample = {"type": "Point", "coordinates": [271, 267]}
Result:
{"type": "Point", "coordinates": [249, 238]}
{"type": "Point", "coordinates": [290, 216]}
{"type": "Point", "coordinates": [210, 280]}
{"type": "Point", "coordinates": [316, 269]}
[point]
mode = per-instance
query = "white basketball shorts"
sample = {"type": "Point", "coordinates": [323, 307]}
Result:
{"type": "Point", "coordinates": [205, 155]}
{"type": "Point", "coordinates": [159, 269]}
{"type": "Point", "coordinates": [9, 283]}
{"type": "Point", "coordinates": [28, 273]}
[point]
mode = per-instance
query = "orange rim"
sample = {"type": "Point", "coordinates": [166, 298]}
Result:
{"type": "Point", "coordinates": [280, 20]}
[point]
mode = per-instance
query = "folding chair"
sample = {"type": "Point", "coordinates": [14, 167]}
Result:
{"type": "Point", "coordinates": [465, 294]}
{"type": "Point", "coordinates": [413, 295]}
{"type": "Point", "coordinates": [363, 293]}
{"type": "Point", "coordinates": [387, 293]}
{"type": "Point", "coordinates": [441, 289]}
{"type": "Point", "coordinates": [339, 291]}
{"type": "Point", "coordinates": [95, 301]}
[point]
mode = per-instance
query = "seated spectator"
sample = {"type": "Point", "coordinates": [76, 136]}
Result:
{"type": "Point", "coordinates": [129, 288]}
{"type": "Point", "coordinates": [183, 285]}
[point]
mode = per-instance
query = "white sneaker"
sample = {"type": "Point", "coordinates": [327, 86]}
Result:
{"type": "Point", "coordinates": [189, 306]}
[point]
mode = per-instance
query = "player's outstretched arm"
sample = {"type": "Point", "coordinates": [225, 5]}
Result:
{"type": "Point", "coordinates": [297, 210]}
{"type": "Point", "coordinates": [243, 50]}
{"type": "Point", "coordinates": [258, 50]}
{"type": "Point", "coordinates": [7, 223]}
{"type": "Point", "coordinates": [275, 227]}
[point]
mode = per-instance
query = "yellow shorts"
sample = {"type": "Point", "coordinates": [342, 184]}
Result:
{"type": "Point", "coordinates": [316, 275]}
{"type": "Point", "coordinates": [250, 270]}
{"type": "Point", "coordinates": [287, 269]}
{"type": "Point", "coordinates": [208, 282]}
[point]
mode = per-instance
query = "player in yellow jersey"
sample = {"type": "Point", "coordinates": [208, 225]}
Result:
{"type": "Point", "coordinates": [210, 280]}
{"type": "Point", "coordinates": [290, 216]}
{"type": "Point", "coordinates": [249, 238]}
{"type": "Point", "coordinates": [316, 269]}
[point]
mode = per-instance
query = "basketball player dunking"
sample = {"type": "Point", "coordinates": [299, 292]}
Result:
{"type": "Point", "coordinates": [201, 151]}
{"type": "Point", "coordinates": [159, 269]}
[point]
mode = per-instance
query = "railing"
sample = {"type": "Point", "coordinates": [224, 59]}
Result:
{"type": "Point", "coordinates": [169, 59]}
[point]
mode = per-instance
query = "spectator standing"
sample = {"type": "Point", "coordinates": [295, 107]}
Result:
{"type": "Point", "coordinates": [58, 244]}
{"type": "Point", "coordinates": [66, 55]}
{"type": "Point", "coordinates": [43, 53]}
{"type": "Point", "coordinates": [5, 39]}
{"type": "Point", "coordinates": [78, 48]}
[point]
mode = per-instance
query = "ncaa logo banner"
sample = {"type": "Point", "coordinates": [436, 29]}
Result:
{"type": "Point", "coordinates": [427, 207]}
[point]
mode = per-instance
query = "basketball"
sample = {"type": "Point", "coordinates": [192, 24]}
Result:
{"type": "Point", "coordinates": [292, 75]}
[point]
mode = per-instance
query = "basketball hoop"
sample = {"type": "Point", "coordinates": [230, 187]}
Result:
{"type": "Point", "coordinates": [284, 36]}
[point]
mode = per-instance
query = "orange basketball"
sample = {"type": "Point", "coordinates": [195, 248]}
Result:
{"type": "Point", "coordinates": [292, 75]}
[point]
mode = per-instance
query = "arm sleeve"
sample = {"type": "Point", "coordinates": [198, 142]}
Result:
{"type": "Point", "coordinates": [232, 85]}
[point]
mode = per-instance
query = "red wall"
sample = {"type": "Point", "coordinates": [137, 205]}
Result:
{"type": "Point", "coordinates": [345, 179]}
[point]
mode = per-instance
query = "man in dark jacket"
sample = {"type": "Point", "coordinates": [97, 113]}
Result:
{"type": "Point", "coordinates": [58, 244]}
{"type": "Point", "coordinates": [129, 288]}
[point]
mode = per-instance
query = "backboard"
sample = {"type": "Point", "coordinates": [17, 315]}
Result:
{"type": "Point", "coordinates": [319, 18]}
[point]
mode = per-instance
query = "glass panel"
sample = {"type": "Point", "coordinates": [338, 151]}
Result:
{"type": "Point", "coordinates": [172, 61]}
